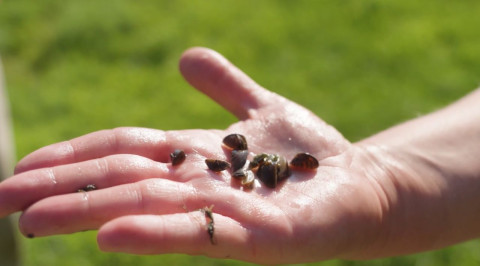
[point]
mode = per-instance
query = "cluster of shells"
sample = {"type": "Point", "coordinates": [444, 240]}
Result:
{"type": "Point", "coordinates": [270, 169]}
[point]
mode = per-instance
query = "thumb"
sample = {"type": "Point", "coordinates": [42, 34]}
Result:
{"type": "Point", "coordinates": [211, 73]}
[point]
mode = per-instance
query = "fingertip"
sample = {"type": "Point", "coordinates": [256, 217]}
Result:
{"type": "Point", "coordinates": [106, 237]}
{"type": "Point", "coordinates": [9, 197]}
{"type": "Point", "coordinates": [25, 230]}
{"type": "Point", "coordinates": [194, 54]}
{"type": "Point", "coordinates": [211, 73]}
{"type": "Point", "coordinates": [21, 227]}
{"type": "Point", "coordinates": [46, 156]}
{"type": "Point", "coordinates": [198, 65]}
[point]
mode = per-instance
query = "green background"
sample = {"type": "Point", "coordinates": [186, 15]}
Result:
{"type": "Point", "coordinates": [73, 67]}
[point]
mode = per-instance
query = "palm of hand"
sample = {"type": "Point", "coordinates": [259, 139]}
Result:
{"type": "Point", "coordinates": [149, 207]}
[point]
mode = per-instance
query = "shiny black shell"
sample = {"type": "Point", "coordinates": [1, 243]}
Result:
{"type": "Point", "coordinates": [177, 157]}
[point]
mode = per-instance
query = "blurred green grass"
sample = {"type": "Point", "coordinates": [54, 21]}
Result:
{"type": "Point", "coordinates": [73, 67]}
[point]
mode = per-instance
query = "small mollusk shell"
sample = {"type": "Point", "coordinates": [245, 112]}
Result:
{"type": "Point", "coordinates": [268, 175]}
{"type": "Point", "coordinates": [217, 165]}
{"type": "Point", "coordinates": [242, 172]}
{"type": "Point", "coordinates": [177, 157]}
{"type": "Point", "coordinates": [272, 168]}
{"type": "Point", "coordinates": [239, 158]}
{"type": "Point", "coordinates": [259, 159]}
{"type": "Point", "coordinates": [248, 180]}
{"type": "Point", "coordinates": [88, 187]}
{"type": "Point", "coordinates": [239, 174]}
{"type": "Point", "coordinates": [304, 161]}
{"type": "Point", "coordinates": [235, 142]}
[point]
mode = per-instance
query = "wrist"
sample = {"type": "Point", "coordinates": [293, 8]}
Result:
{"type": "Point", "coordinates": [425, 205]}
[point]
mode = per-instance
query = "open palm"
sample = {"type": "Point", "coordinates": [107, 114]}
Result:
{"type": "Point", "coordinates": [144, 205]}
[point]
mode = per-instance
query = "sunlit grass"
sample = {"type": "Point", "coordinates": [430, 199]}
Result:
{"type": "Point", "coordinates": [78, 66]}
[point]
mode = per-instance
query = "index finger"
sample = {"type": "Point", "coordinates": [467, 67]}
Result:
{"type": "Point", "coordinates": [140, 141]}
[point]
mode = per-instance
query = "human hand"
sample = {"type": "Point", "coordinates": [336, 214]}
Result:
{"type": "Point", "coordinates": [144, 205]}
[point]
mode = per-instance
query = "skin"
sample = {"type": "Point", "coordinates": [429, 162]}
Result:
{"type": "Point", "coordinates": [411, 188]}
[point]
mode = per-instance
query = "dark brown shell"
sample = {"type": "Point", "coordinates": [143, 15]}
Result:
{"type": "Point", "coordinates": [273, 169]}
{"type": "Point", "coordinates": [239, 158]}
{"type": "Point", "coordinates": [88, 187]}
{"type": "Point", "coordinates": [177, 157]}
{"type": "Point", "coordinates": [217, 165]}
{"type": "Point", "coordinates": [242, 172]}
{"type": "Point", "coordinates": [267, 173]}
{"type": "Point", "coordinates": [283, 169]}
{"type": "Point", "coordinates": [259, 159]}
{"type": "Point", "coordinates": [239, 174]}
{"type": "Point", "coordinates": [235, 142]}
{"type": "Point", "coordinates": [208, 211]}
{"type": "Point", "coordinates": [304, 161]}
